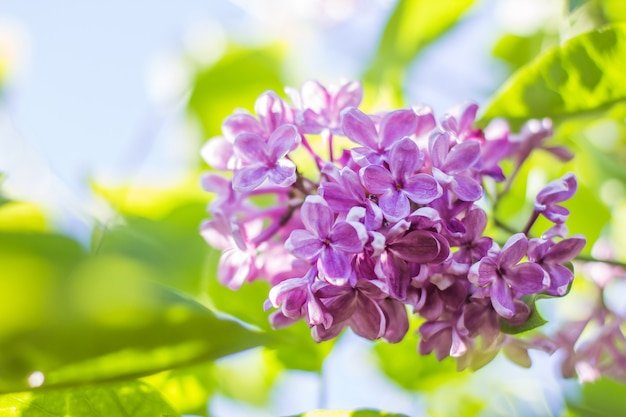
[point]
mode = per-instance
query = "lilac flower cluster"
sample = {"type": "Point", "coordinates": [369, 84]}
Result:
{"type": "Point", "coordinates": [391, 221]}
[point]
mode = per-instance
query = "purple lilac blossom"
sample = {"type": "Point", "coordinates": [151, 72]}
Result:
{"type": "Point", "coordinates": [390, 227]}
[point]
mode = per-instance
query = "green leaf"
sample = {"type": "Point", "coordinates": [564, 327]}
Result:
{"type": "Point", "coordinates": [77, 319]}
{"type": "Point", "coordinates": [534, 319]}
{"type": "Point", "coordinates": [356, 413]}
{"type": "Point", "coordinates": [413, 25]}
{"type": "Point", "coordinates": [602, 398]}
{"type": "Point", "coordinates": [128, 399]}
{"type": "Point", "coordinates": [583, 75]}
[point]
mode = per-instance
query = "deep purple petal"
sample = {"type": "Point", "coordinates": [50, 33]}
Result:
{"type": "Point", "coordinates": [377, 180]}
{"type": "Point", "coordinates": [396, 125]}
{"type": "Point", "coordinates": [484, 272]}
{"type": "Point", "coordinates": [404, 158]}
{"type": "Point", "coordinates": [334, 264]}
{"type": "Point", "coordinates": [281, 141]}
{"type": "Point", "coordinates": [368, 320]}
{"type": "Point", "coordinates": [513, 251]}
{"type": "Point", "coordinates": [418, 246]}
{"type": "Point", "coordinates": [502, 299]}
{"type": "Point", "coordinates": [526, 278]}
{"type": "Point", "coordinates": [565, 250]}
{"type": "Point", "coordinates": [422, 188]}
{"type": "Point", "coordinates": [396, 319]}
{"type": "Point", "coordinates": [359, 128]}
{"type": "Point", "coordinates": [466, 188]}
{"type": "Point", "coordinates": [560, 278]}
{"type": "Point", "coordinates": [475, 222]}
{"type": "Point", "coordinates": [461, 157]}
{"type": "Point", "coordinates": [304, 245]}
{"type": "Point", "coordinates": [317, 216]}
{"type": "Point", "coordinates": [249, 177]}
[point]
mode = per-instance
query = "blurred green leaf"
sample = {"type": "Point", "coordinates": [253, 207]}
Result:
{"type": "Point", "coordinates": [517, 50]}
{"type": "Point", "coordinates": [187, 389]}
{"type": "Point", "coordinates": [128, 399]}
{"type": "Point", "coordinates": [602, 398]}
{"type": "Point", "coordinates": [356, 413]}
{"type": "Point", "coordinates": [583, 75]}
{"type": "Point", "coordinates": [77, 319]}
{"type": "Point", "coordinates": [235, 81]}
{"type": "Point", "coordinates": [171, 244]}
{"type": "Point", "coordinates": [412, 26]}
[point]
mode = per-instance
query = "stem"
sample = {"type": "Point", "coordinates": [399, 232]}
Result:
{"type": "Point", "coordinates": [273, 228]}
{"type": "Point", "coordinates": [505, 227]}
{"type": "Point", "coordinates": [307, 146]}
{"type": "Point", "coordinates": [329, 137]}
{"type": "Point", "coordinates": [531, 221]}
{"type": "Point", "coordinates": [587, 258]}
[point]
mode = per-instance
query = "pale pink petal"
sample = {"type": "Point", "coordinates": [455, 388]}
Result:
{"type": "Point", "coordinates": [349, 95]}
{"type": "Point", "coordinates": [240, 123]}
{"type": "Point", "coordinates": [439, 146]}
{"type": "Point", "coordinates": [283, 173]}
{"type": "Point", "coordinates": [314, 96]}
{"type": "Point", "coordinates": [219, 153]}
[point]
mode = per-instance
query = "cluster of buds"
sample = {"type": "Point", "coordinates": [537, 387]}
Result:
{"type": "Point", "coordinates": [389, 221]}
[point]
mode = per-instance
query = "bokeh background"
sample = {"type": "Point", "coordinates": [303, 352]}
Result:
{"type": "Point", "coordinates": [105, 105]}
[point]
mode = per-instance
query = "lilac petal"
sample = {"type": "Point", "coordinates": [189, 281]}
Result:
{"type": "Point", "coordinates": [349, 95]}
{"type": "Point", "coordinates": [278, 320]}
{"type": "Point", "coordinates": [219, 153]}
{"type": "Point", "coordinates": [502, 299]}
{"type": "Point", "coordinates": [396, 319]}
{"type": "Point", "coordinates": [359, 128]}
{"type": "Point", "coordinates": [560, 278]}
{"type": "Point", "coordinates": [283, 174]}
{"type": "Point", "coordinates": [338, 198]}
{"type": "Point", "coordinates": [396, 125]}
{"type": "Point", "coordinates": [438, 148]}
{"type": "Point", "coordinates": [377, 179]}
{"type": "Point", "coordinates": [527, 278]}
{"type": "Point", "coordinates": [514, 250]}
{"type": "Point", "coordinates": [468, 115]}
{"type": "Point", "coordinates": [466, 188]}
{"type": "Point", "coordinates": [280, 291]}
{"type": "Point", "coordinates": [250, 177]}
{"type": "Point", "coordinates": [321, 334]}
{"type": "Point", "coordinates": [314, 96]}
{"type": "Point", "coordinates": [368, 320]}
{"type": "Point", "coordinates": [558, 190]}
{"type": "Point", "coordinates": [394, 205]}
{"type": "Point", "coordinates": [483, 272]}
{"type": "Point", "coordinates": [240, 123]}
{"type": "Point", "coordinates": [317, 216]}
{"type": "Point", "coordinates": [422, 188]}
{"type": "Point", "coordinates": [565, 250]}
{"type": "Point", "coordinates": [235, 267]}
{"type": "Point", "coordinates": [561, 152]}
{"type": "Point", "coordinates": [404, 158]}
{"type": "Point", "coordinates": [333, 263]}
{"type": "Point", "coordinates": [418, 246]}
{"type": "Point", "coordinates": [304, 245]}
{"type": "Point", "coordinates": [461, 157]}
{"type": "Point", "coordinates": [475, 222]}
{"type": "Point", "coordinates": [556, 214]}
{"type": "Point", "coordinates": [281, 141]}
{"type": "Point", "coordinates": [346, 238]}
{"type": "Point", "coordinates": [251, 148]}
{"type": "Point", "coordinates": [425, 120]}
{"type": "Point", "coordinates": [365, 156]}
{"type": "Point", "coordinates": [271, 110]}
